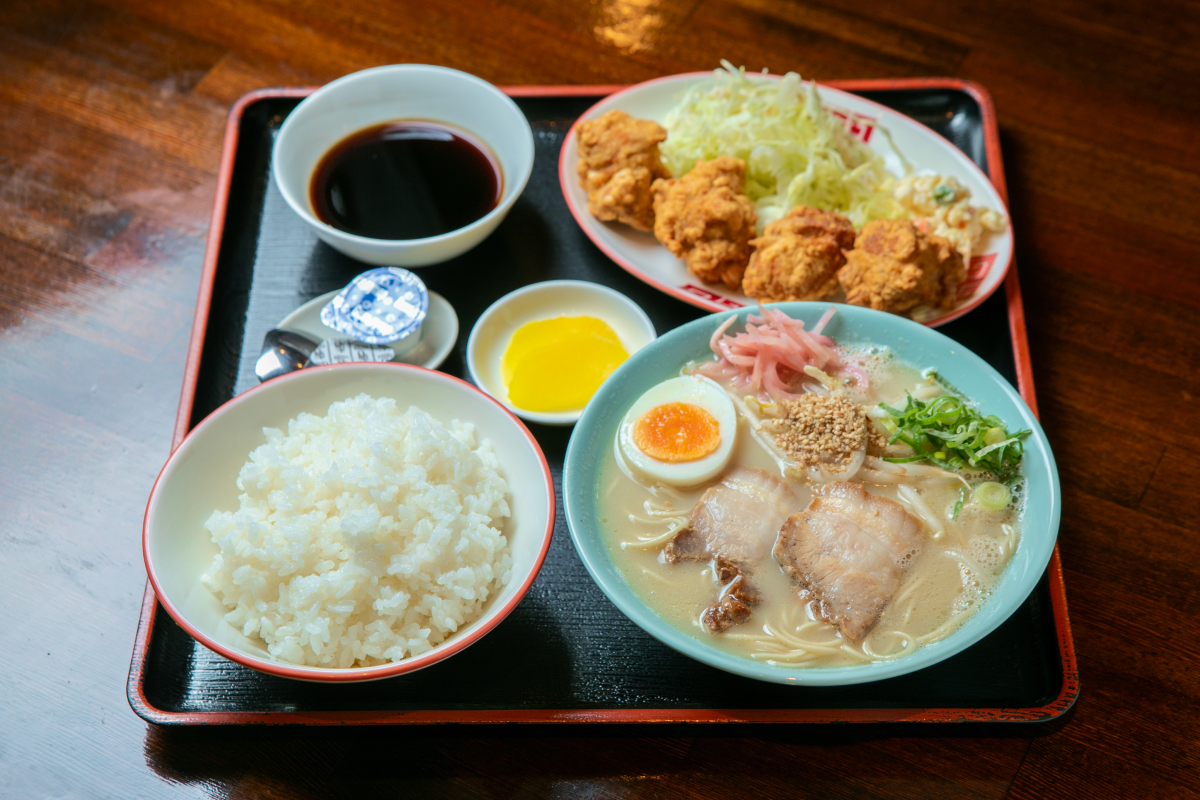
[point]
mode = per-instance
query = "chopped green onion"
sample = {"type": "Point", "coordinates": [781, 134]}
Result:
{"type": "Point", "coordinates": [962, 498]}
{"type": "Point", "coordinates": [888, 425]}
{"type": "Point", "coordinates": [995, 435]}
{"type": "Point", "coordinates": [993, 496]}
{"type": "Point", "coordinates": [995, 446]}
{"type": "Point", "coordinates": [948, 432]}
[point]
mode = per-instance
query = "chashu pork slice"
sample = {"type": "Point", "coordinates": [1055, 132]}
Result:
{"type": "Point", "coordinates": [849, 549]}
{"type": "Point", "coordinates": [733, 525]}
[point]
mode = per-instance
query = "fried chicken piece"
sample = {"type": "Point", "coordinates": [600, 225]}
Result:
{"type": "Point", "coordinates": [625, 198]}
{"type": "Point", "coordinates": [798, 256]}
{"type": "Point", "coordinates": [895, 267]}
{"type": "Point", "coordinates": [705, 219]}
{"type": "Point", "coordinates": [618, 161]}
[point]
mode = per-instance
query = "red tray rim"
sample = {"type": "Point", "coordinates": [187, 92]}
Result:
{"type": "Point", "coordinates": [1055, 708]}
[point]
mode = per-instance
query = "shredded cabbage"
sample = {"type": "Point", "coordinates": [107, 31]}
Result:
{"type": "Point", "coordinates": [796, 152]}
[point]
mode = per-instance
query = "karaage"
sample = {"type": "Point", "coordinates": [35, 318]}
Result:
{"type": "Point", "coordinates": [896, 267]}
{"type": "Point", "coordinates": [798, 256]}
{"type": "Point", "coordinates": [618, 161]}
{"type": "Point", "coordinates": [705, 219]}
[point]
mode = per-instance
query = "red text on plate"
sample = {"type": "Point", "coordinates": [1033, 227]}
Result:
{"type": "Point", "coordinates": [979, 269]}
{"type": "Point", "coordinates": [705, 294]}
{"type": "Point", "coordinates": [857, 125]}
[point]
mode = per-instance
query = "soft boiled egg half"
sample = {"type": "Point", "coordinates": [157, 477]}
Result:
{"type": "Point", "coordinates": [680, 432]}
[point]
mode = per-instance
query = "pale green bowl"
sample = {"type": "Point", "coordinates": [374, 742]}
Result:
{"type": "Point", "coordinates": [911, 342]}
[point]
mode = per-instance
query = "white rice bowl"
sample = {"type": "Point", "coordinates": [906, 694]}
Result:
{"type": "Point", "coordinates": [364, 537]}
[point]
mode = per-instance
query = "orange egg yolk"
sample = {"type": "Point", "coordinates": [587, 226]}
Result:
{"type": "Point", "coordinates": [677, 432]}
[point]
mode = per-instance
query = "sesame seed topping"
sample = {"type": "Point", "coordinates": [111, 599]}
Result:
{"type": "Point", "coordinates": [822, 429]}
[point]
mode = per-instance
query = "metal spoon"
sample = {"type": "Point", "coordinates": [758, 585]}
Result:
{"type": "Point", "coordinates": [283, 352]}
{"type": "Point", "coordinates": [287, 351]}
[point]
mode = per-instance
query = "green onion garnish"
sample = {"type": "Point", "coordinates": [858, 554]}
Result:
{"type": "Point", "coordinates": [947, 432]}
{"type": "Point", "coordinates": [962, 498]}
{"type": "Point", "coordinates": [992, 495]}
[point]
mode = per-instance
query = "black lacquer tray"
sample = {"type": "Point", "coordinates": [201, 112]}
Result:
{"type": "Point", "coordinates": [565, 654]}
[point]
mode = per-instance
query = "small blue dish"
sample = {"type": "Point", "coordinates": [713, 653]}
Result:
{"type": "Point", "coordinates": [911, 342]}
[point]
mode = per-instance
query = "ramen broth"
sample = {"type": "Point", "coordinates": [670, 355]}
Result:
{"type": "Point", "coordinates": [952, 576]}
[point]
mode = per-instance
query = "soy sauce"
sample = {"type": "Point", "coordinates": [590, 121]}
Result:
{"type": "Point", "coordinates": [405, 180]}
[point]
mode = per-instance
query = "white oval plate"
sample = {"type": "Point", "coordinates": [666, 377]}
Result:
{"type": "Point", "coordinates": [642, 255]}
{"type": "Point", "coordinates": [439, 331]}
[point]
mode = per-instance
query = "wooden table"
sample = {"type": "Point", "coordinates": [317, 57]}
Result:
{"type": "Point", "coordinates": [111, 117]}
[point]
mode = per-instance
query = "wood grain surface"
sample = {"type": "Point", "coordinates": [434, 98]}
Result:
{"type": "Point", "coordinates": [111, 116]}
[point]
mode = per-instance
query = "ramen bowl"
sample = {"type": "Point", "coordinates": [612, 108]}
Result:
{"type": "Point", "coordinates": [912, 343]}
{"type": "Point", "coordinates": [201, 476]}
{"type": "Point", "coordinates": [396, 93]}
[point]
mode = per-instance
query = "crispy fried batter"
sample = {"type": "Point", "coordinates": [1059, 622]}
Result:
{"type": "Point", "coordinates": [798, 256]}
{"type": "Point", "coordinates": [625, 198]}
{"type": "Point", "coordinates": [895, 267]}
{"type": "Point", "coordinates": [618, 161]}
{"type": "Point", "coordinates": [705, 219]}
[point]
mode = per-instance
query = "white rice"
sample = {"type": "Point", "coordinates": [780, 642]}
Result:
{"type": "Point", "coordinates": [365, 536]}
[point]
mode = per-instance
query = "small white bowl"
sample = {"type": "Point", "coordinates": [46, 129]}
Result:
{"type": "Point", "coordinates": [547, 300]}
{"type": "Point", "coordinates": [201, 476]}
{"type": "Point", "coordinates": [397, 92]}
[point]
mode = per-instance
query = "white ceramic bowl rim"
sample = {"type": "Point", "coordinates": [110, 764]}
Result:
{"type": "Point", "coordinates": [491, 617]}
{"type": "Point", "coordinates": [513, 185]}
{"type": "Point", "coordinates": [543, 417]}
